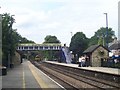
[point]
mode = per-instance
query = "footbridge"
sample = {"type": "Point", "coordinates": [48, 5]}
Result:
{"type": "Point", "coordinates": [31, 47]}
{"type": "Point", "coordinates": [51, 46]}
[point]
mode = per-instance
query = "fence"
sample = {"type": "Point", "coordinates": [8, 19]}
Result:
{"type": "Point", "coordinates": [110, 62]}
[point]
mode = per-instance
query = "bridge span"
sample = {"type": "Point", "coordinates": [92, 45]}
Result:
{"type": "Point", "coordinates": [51, 46]}
{"type": "Point", "coordinates": [29, 47]}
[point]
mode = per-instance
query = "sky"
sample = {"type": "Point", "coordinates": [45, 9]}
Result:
{"type": "Point", "coordinates": [35, 19]}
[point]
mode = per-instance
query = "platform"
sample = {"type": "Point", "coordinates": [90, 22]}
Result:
{"type": "Point", "coordinates": [27, 75]}
{"type": "Point", "coordinates": [99, 69]}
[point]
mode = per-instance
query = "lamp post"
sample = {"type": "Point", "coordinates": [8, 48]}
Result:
{"type": "Point", "coordinates": [106, 29]}
{"type": "Point", "coordinates": [10, 38]}
{"type": "Point", "coordinates": [119, 20]}
{"type": "Point", "coordinates": [0, 40]}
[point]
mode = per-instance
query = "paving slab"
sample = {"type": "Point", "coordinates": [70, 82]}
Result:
{"type": "Point", "coordinates": [99, 69]}
{"type": "Point", "coordinates": [27, 75]}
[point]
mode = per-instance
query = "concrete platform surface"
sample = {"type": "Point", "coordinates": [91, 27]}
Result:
{"type": "Point", "coordinates": [99, 69]}
{"type": "Point", "coordinates": [27, 75]}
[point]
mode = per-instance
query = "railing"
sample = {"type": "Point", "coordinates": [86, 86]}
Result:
{"type": "Point", "coordinates": [110, 62]}
{"type": "Point", "coordinates": [67, 55]}
{"type": "Point", "coordinates": [26, 47]}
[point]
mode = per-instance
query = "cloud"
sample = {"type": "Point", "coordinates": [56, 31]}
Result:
{"type": "Point", "coordinates": [37, 18]}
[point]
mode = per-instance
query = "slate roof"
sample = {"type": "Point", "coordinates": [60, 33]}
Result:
{"type": "Point", "coordinates": [92, 48]}
{"type": "Point", "coordinates": [114, 46]}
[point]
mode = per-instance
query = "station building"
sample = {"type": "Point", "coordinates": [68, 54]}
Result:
{"type": "Point", "coordinates": [96, 53]}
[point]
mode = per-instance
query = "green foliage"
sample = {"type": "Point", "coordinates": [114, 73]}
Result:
{"type": "Point", "coordinates": [51, 39]}
{"type": "Point", "coordinates": [25, 40]}
{"type": "Point", "coordinates": [100, 36]}
{"type": "Point", "coordinates": [51, 55]}
{"type": "Point", "coordinates": [102, 32]}
{"type": "Point", "coordinates": [79, 43]}
{"type": "Point", "coordinates": [10, 38]}
{"type": "Point", "coordinates": [7, 42]}
{"type": "Point", "coordinates": [93, 40]}
{"type": "Point", "coordinates": [101, 41]}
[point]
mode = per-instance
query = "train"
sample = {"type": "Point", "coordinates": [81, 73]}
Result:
{"type": "Point", "coordinates": [38, 58]}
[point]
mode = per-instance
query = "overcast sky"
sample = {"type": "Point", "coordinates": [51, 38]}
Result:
{"type": "Point", "coordinates": [35, 19]}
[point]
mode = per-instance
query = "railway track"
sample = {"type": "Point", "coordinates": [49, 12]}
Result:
{"type": "Point", "coordinates": [52, 74]}
{"type": "Point", "coordinates": [74, 80]}
{"type": "Point", "coordinates": [61, 81]}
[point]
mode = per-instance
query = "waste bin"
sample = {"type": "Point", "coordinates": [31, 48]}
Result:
{"type": "Point", "coordinates": [4, 71]}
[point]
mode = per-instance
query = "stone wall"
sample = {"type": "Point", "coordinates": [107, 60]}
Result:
{"type": "Point", "coordinates": [97, 55]}
{"type": "Point", "coordinates": [16, 59]}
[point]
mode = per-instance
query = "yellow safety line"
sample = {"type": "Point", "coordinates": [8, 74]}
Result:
{"type": "Point", "coordinates": [23, 80]}
{"type": "Point", "coordinates": [40, 81]}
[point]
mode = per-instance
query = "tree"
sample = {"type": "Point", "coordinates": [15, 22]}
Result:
{"type": "Point", "coordinates": [10, 38]}
{"type": "Point", "coordinates": [51, 39]}
{"type": "Point", "coordinates": [100, 36]}
{"type": "Point", "coordinates": [79, 43]}
{"type": "Point", "coordinates": [101, 41]}
{"type": "Point", "coordinates": [7, 22]}
{"type": "Point", "coordinates": [93, 41]}
{"type": "Point", "coordinates": [50, 54]}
